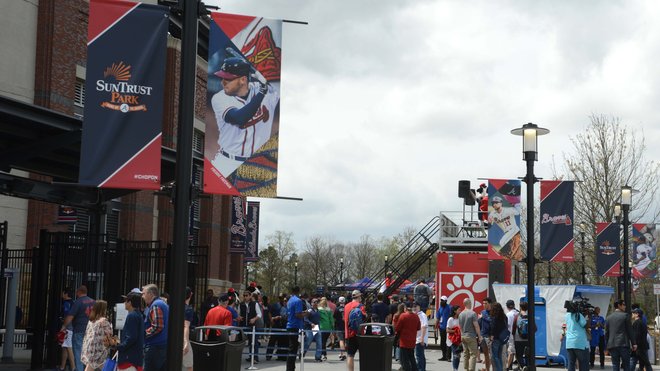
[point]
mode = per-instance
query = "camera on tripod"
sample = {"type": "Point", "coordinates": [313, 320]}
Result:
{"type": "Point", "coordinates": [579, 305]}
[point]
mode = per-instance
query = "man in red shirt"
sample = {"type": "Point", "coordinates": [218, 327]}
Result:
{"type": "Point", "coordinates": [351, 335]}
{"type": "Point", "coordinates": [218, 315]}
{"type": "Point", "coordinates": [407, 328]}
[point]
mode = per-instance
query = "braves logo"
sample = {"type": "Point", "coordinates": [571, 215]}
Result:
{"type": "Point", "coordinates": [459, 286]}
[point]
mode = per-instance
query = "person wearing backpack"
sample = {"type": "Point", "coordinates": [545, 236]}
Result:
{"type": "Point", "coordinates": [521, 333]}
{"type": "Point", "coordinates": [353, 319]}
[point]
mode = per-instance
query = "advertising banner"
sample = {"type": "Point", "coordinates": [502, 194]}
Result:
{"type": "Point", "coordinates": [644, 251]}
{"type": "Point", "coordinates": [242, 106]}
{"type": "Point", "coordinates": [238, 229]}
{"type": "Point", "coordinates": [252, 240]}
{"type": "Point", "coordinates": [123, 114]}
{"type": "Point", "coordinates": [557, 243]}
{"type": "Point", "coordinates": [608, 249]}
{"type": "Point", "coordinates": [67, 215]}
{"type": "Point", "coordinates": [504, 220]}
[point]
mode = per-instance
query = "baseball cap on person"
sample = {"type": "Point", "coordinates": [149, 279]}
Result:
{"type": "Point", "coordinates": [510, 304]}
{"type": "Point", "coordinates": [233, 68]}
{"type": "Point", "coordinates": [342, 300]}
{"type": "Point", "coordinates": [356, 294]}
{"type": "Point", "coordinates": [443, 298]}
{"type": "Point", "coordinates": [133, 291]}
{"type": "Point", "coordinates": [496, 199]}
{"type": "Point", "coordinates": [395, 297]}
{"type": "Point", "coordinates": [638, 311]}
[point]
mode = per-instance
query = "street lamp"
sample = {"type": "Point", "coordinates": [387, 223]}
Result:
{"type": "Point", "coordinates": [626, 200]}
{"type": "Point", "coordinates": [341, 270]}
{"type": "Point", "coordinates": [584, 272]}
{"type": "Point", "coordinates": [530, 133]}
{"type": "Point", "coordinates": [295, 273]}
{"type": "Point", "coordinates": [386, 263]}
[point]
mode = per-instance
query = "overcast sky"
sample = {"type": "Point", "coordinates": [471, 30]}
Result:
{"type": "Point", "coordinates": [387, 104]}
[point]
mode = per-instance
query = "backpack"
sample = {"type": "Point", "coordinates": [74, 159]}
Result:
{"type": "Point", "coordinates": [355, 318]}
{"type": "Point", "coordinates": [522, 326]}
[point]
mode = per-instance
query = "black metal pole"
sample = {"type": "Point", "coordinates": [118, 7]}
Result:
{"type": "Point", "coordinates": [295, 275]}
{"type": "Point", "coordinates": [549, 273]}
{"type": "Point", "coordinates": [626, 270]}
{"type": "Point", "coordinates": [341, 271]}
{"type": "Point", "coordinates": [584, 272]}
{"type": "Point", "coordinates": [183, 176]}
{"type": "Point", "coordinates": [530, 179]}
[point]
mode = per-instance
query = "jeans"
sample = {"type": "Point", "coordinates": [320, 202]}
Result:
{"type": "Point", "coordinates": [421, 357]}
{"type": "Point", "coordinates": [293, 349]}
{"type": "Point", "coordinates": [496, 355]}
{"type": "Point", "coordinates": [455, 356]}
{"type": "Point", "coordinates": [408, 359]}
{"type": "Point", "coordinates": [155, 357]}
{"type": "Point", "coordinates": [76, 344]}
{"type": "Point", "coordinates": [619, 354]}
{"type": "Point", "coordinates": [309, 337]}
{"type": "Point", "coordinates": [470, 352]}
{"type": "Point", "coordinates": [579, 355]}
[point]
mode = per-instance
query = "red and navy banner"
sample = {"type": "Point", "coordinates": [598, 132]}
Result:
{"type": "Point", "coordinates": [67, 215]}
{"type": "Point", "coordinates": [557, 221]}
{"type": "Point", "coordinates": [608, 250]}
{"type": "Point", "coordinates": [504, 220]}
{"type": "Point", "coordinates": [238, 228]}
{"type": "Point", "coordinates": [644, 251]}
{"type": "Point", "coordinates": [243, 105]}
{"type": "Point", "coordinates": [252, 240]}
{"type": "Point", "coordinates": [126, 55]}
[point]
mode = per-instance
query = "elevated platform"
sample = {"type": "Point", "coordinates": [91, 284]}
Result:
{"type": "Point", "coordinates": [462, 232]}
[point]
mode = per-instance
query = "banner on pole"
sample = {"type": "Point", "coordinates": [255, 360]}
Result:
{"type": "Point", "coordinates": [67, 215]}
{"type": "Point", "coordinates": [557, 242]}
{"type": "Point", "coordinates": [644, 251]}
{"type": "Point", "coordinates": [243, 100]}
{"type": "Point", "coordinates": [608, 249]}
{"type": "Point", "coordinates": [504, 219]}
{"type": "Point", "coordinates": [124, 87]}
{"type": "Point", "coordinates": [252, 240]}
{"type": "Point", "coordinates": [238, 229]}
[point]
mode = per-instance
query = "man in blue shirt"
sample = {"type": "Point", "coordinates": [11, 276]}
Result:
{"type": "Point", "coordinates": [484, 325]}
{"type": "Point", "coordinates": [296, 312]}
{"type": "Point", "coordinates": [597, 338]}
{"type": "Point", "coordinates": [442, 316]}
{"type": "Point", "coordinates": [79, 317]}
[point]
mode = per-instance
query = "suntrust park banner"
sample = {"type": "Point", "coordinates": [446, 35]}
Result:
{"type": "Point", "coordinates": [121, 140]}
{"type": "Point", "coordinates": [608, 250]}
{"type": "Point", "coordinates": [557, 221]}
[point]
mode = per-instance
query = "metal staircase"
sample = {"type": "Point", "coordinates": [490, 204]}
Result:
{"type": "Point", "coordinates": [408, 260]}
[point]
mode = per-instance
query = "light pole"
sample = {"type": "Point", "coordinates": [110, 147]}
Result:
{"type": "Point", "coordinates": [341, 270]}
{"type": "Point", "coordinates": [530, 133]}
{"type": "Point", "coordinates": [626, 200]}
{"type": "Point", "coordinates": [386, 263]}
{"type": "Point", "coordinates": [295, 273]}
{"type": "Point", "coordinates": [584, 272]}
{"type": "Point", "coordinates": [619, 280]}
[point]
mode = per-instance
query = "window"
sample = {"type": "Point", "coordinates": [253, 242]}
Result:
{"type": "Point", "coordinates": [79, 99]}
{"type": "Point", "coordinates": [198, 141]}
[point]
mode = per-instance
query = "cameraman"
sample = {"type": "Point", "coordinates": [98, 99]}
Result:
{"type": "Point", "coordinates": [577, 345]}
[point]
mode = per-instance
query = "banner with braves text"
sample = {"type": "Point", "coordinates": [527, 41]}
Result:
{"type": "Point", "coordinates": [504, 219]}
{"type": "Point", "coordinates": [252, 240]}
{"type": "Point", "coordinates": [644, 251]}
{"type": "Point", "coordinates": [608, 249]}
{"type": "Point", "coordinates": [557, 243]}
{"type": "Point", "coordinates": [238, 228]}
{"type": "Point", "coordinates": [124, 87]}
{"type": "Point", "coordinates": [242, 105]}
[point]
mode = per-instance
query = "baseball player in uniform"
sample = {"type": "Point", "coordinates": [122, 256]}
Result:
{"type": "Point", "coordinates": [244, 111]}
{"type": "Point", "coordinates": [504, 218]}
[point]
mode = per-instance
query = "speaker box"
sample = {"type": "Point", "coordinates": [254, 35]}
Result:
{"type": "Point", "coordinates": [463, 188]}
{"type": "Point", "coordinates": [495, 275]}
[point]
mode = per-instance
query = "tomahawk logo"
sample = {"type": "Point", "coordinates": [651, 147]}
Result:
{"type": "Point", "coordinates": [123, 96]}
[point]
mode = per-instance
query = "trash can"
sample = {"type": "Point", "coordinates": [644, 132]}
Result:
{"type": "Point", "coordinates": [223, 353]}
{"type": "Point", "coordinates": [375, 341]}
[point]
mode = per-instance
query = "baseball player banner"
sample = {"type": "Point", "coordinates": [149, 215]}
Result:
{"type": "Point", "coordinates": [238, 229]}
{"type": "Point", "coordinates": [644, 251]}
{"type": "Point", "coordinates": [243, 106]}
{"type": "Point", "coordinates": [608, 250]}
{"type": "Point", "coordinates": [252, 240]}
{"type": "Point", "coordinates": [504, 220]}
{"type": "Point", "coordinates": [557, 243]}
{"type": "Point", "coordinates": [126, 53]}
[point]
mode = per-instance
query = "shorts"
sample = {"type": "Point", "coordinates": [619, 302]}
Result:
{"type": "Point", "coordinates": [67, 339]}
{"type": "Point", "coordinates": [339, 334]}
{"type": "Point", "coordinates": [352, 346]}
{"type": "Point", "coordinates": [187, 359]}
{"type": "Point", "coordinates": [485, 344]}
{"type": "Point", "coordinates": [512, 346]}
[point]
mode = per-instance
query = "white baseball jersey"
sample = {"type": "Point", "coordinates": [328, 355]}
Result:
{"type": "Point", "coordinates": [244, 141]}
{"type": "Point", "coordinates": [505, 219]}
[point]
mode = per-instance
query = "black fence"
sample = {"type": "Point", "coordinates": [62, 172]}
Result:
{"type": "Point", "coordinates": [109, 269]}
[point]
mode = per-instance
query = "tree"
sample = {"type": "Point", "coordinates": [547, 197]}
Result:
{"type": "Point", "coordinates": [274, 262]}
{"type": "Point", "coordinates": [361, 256]}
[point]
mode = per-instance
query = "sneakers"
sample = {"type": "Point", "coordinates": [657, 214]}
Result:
{"type": "Point", "coordinates": [324, 358]}
{"type": "Point", "coordinates": [342, 357]}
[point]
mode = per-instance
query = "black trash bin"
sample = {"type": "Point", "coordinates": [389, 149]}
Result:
{"type": "Point", "coordinates": [375, 341]}
{"type": "Point", "coordinates": [222, 353]}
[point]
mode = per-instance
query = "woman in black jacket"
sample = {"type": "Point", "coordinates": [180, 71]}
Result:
{"type": "Point", "coordinates": [639, 333]}
{"type": "Point", "coordinates": [499, 335]}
